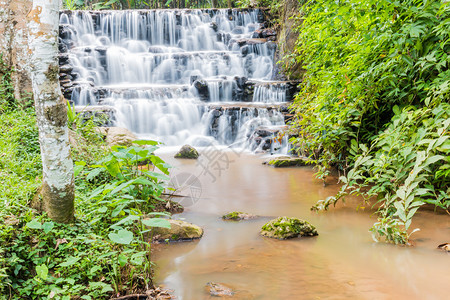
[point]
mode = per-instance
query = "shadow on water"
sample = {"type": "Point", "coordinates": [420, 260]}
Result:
{"type": "Point", "coordinates": [341, 263]}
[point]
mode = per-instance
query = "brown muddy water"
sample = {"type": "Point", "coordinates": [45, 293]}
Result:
{"type": "Point", "coordinates": [343, 262]}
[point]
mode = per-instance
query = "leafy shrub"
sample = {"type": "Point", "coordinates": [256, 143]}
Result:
{"type": "Point", "coordinates": [362, 59]}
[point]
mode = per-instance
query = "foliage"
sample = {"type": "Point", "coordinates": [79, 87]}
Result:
{"type": "Point", "coordinates": [106, 250]}
{"type": "Point", "coordinates": [362, 59]}
{"type": "Point", "coordinates": [407, 165]}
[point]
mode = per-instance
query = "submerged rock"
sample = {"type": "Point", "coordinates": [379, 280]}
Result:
{"type": "Point", "coordinates": [286, 228]}
{"type": "Point", "coordinates": [219, 289]}
{"type": "Point", "coordinates": [444, 247]}
{"type": "Point", "coordinates": [238, 216]}
{"type": "Point", "coordinates": [178, 231]}
{"type": "Point", "coordinates": [187, 151]}
{"type": "Point", "coordinates": [286, 161]}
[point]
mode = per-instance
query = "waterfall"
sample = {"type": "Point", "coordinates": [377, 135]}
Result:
{"type": "Point", "coordinates": [176, 76]}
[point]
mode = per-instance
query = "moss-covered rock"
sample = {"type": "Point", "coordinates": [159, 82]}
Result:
{"type": "Point", "coordinates": [286, 161]}
{"type": "Point", "coordinates": [286, 228]}
{"type": "Point", "coordinates": [238, 216]}
{"type": "Point", "coordinates": [178, 231]}
{"type": "Point", "coordinates": [187, 151]}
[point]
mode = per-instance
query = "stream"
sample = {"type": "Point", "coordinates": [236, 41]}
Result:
{"type": "Point", "coordinates": [343, 262]}
{"type": "Point", "coordinates": [207, 78]}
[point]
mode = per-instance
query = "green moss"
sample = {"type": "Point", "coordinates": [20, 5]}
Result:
{"type": "Point", "coordinates": [235, 215]}
{"type": "Point", "coordinates": [287, 162]}
{"type": "Point", "coordinates": [286, 228]}
{"type": "Point", "coordinates": [187, 151]}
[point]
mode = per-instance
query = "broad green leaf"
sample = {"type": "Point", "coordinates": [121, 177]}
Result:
{"type": "Point", "coordinates": [48, 226]}
{"type": "Point", "coordinates": [123, 236]}
{"type": "Point", "coordinates": [34, 224]}
{"type": "Point", "coordinates": [156, 222]}
{"type": "Point", "coordinates": [42, 272]}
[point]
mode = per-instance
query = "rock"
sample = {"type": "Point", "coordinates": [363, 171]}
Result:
{"type": "Point", "coordinates": [219, 289]}
{"type": "Point", "coordinates": [244, 50]}
{"type": "Point", "coordinates": [286, 161]}
{"type": "Point", "coordinates": [65, 68]}
{"type": "Point", "coordinates": [285, 228]}
{"type": "Point", "coordinates": [213, 26]}
{"type": "Point", "coordinates": [202, 88]}
{"type": "Point", "coordinates": [445, 247]}
{"type": "Point", "coordinates": [117, 135]}
{"type": "Point", "coordinates": [187, 151]}
{"type": "Point", "coordinates": [179, 231]}
{"type": "Point", "coordinates": [238, 216]}
{"type": "Point", "coordinates": [268, 32]}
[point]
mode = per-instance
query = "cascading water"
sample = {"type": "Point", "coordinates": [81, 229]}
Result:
{"type": "Point", "coordinates": [177, 76]}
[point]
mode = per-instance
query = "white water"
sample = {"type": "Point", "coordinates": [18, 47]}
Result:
{"type": "Point", "coordinates": [145, 63]}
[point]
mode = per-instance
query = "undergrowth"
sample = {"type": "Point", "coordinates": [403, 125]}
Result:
{"type": "Point", "coordinates": [106, 251]}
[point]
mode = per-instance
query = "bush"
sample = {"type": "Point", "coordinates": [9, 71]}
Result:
{"type": "Point", "coordinates": [362, 59]}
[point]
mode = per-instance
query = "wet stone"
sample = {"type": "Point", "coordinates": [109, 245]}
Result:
{"type": "Point", "coordinates": [178, 231]}
{"type": "Point", "coordinates": [238, 216]}
{"type": "Point", "coordinates": [187, 151]}
{"type": "Point", "coordinates": [219, 289]}
{"type": "Point", "coordinates": [286, 228]}
{"type": "Point", "coordinates": [287, 161]}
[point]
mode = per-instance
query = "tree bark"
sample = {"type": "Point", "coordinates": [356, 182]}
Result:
{"type": "Point", "coordinates": [14, 44]}
{"type": "Point", "coordinates": [51, 115]}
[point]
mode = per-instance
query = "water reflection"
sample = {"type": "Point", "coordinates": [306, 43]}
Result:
{"type": "Point", "coordinates": [341, 263]}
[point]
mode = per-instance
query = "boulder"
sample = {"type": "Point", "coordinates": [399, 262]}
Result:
{"type": "Point", "coordinates": [178, 231]}
{"type": "Point", "coordinates": [219, 289]}
{"type": "Point", "coordinates": [117, 136]}
{"type": "Point", "coordinates": [287, 161]}
{"type": "Point", "coordinates": [202, 89]}
{"type": "Point", "coordinates": [238, 216]}
{"type": "Point", "coordinates": [187, 151]}
{"type": "Point", "coordinates": [286, 228]}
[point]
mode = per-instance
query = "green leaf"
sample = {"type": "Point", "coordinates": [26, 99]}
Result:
{"type": "Point", "coordinates": [34, 224]}
{"type": "Point", "coordinates": [156, 222]}
{"type": "Point", "coordinates": [79, 166]}
{"type": "Point", "coordinates": [48, 226]}
{"type": "Point", "coordinates": [70, 261]}
{"type": "Point", "coordinates": [128, 219]}
{"type": "Point", "coordinates": [145, 142]}
{"type": "Point", "coordinates": [123, 236]}
{"type": "Point", "coordinates": [122, 259]}
{"type": "Point", "coordinates": [94, 173]}
{"type": "Point", "coordinates": [42, 271]}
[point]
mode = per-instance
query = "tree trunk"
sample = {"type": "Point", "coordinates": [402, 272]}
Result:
{"type": "Point", "coordinates": [215, 3]}
{"type": "Point", "coordinates": [229, 4]}
{"type": "Point", "coordinates": [14, 44]}
{"type": "Point", "coordinates": [51, 115]}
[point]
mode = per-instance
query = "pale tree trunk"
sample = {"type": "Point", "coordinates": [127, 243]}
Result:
{"type": "Point", "coordinates": [51, 115]}
{"type": "Point", "coordinates": [14, 44]}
